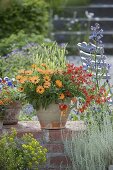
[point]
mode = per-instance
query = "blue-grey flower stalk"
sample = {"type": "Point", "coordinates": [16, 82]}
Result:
{"type": "Point", "coordinates": [93, 57]}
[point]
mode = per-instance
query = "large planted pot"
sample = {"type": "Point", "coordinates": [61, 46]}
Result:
{"type": "Point", "coordinates": [12, 113]}
{"type": "Point", "coordinates": [54, 116]}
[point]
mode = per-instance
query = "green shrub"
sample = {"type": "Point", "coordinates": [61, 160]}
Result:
{"type": "Point", "coordinates": [21, 153]}
{"type": "Point", "coordinates": [29, 16]}
{"type": "Point", "coordinates": [19, 40]}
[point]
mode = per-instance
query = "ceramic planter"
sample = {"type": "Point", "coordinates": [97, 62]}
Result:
{"type": "Point", "coordinates": [53, 117]}
{"type": "Point", "coordinates": [12, 113]}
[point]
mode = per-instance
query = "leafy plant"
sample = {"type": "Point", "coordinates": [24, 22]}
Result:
{"type": "Point", "coordinates": [21, 153]}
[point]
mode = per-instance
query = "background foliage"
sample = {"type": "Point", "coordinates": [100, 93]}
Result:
{"type": "Point", "coordinates": [17, 41]}
{"type": "Point", "coordinates": [30, 16]}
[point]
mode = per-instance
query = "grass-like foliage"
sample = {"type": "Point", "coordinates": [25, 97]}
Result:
{"type": "Point", "coordinates": [92, 149]}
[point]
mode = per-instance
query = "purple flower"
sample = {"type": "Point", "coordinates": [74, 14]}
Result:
{"type": "Point", "coordinates": [9, 83]}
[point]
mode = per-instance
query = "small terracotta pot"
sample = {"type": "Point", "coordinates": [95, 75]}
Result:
{"type": "Point", "coordinates": [12, 113]}
{"type": "Point", "coordinates": [53, 117]}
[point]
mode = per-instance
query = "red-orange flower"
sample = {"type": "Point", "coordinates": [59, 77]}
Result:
{"type": "Point", "coordinates": [63, 107]}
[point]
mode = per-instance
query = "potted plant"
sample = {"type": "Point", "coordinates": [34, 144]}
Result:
{"type": "Point", "coordinates": [24, 153]}
{"type": "Point", "coordinates": [10, 104]}
{"type": "Point", "coordinates": [50, 91]}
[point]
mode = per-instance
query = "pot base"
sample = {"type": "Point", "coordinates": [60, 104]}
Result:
{"type": "Point", "coordinates": [57, 128]}
{"type": "Point", "coordinates": [59, 124]}
{"type": "Point", "coordinates": [52, 117]}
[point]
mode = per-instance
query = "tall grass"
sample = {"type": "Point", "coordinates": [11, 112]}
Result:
{"type": "Point", "coordinates": [51, 54]}
{"type": "Point", "coordinates": [92, 149]}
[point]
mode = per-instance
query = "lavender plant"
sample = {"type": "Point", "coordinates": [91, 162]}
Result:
{"type": "Point", "coordinates": [93, 58]}
{"type": "Point", "coordinates": [94, 61]}
{"type": "Point", "coordinates": [92, 149]}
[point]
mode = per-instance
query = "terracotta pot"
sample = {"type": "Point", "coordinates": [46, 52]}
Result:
{"type": "Point", "coordinates": [53, 117]}
{"type": "Point", "coordinates": [12, 113]}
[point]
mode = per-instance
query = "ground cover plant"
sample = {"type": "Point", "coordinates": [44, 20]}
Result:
{"type": "Point", "coordinates": [93, 148]}
{"type": "Point", "coordinates": [21, 153]}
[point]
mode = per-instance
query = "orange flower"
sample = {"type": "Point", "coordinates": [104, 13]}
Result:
{"type": "Point", "coordinates": [47, 78]}
{"type": "Point", "coordinates": [45, 71]}
{"type": "Point", "coordinates": [34, 79]}
{"type": "Point", "coordinates": [61, 96]}
{"type": "Point", "coordinates": [47, 85]}
{"type": "Point", "coordinates": [28, 72]}
{"type": "Point", "coordinates": [58, 72]}
{"type": "Point", "coordinates": [40, 89]}
{"type": "Point", "coordinates": [34, 66]}
{"type": "Point", "coordinates": [43, 65]}
{"type": "Point", "coordinates": [1, 102]}
{"type": "Point", "coordinates": [21, 71]}
{"type": "Point", "coordinates": [23, 79]}
{"type": "Point", "coordinates": [21, 89]}
{"type": "Point", "coordinates": [40, 70]}
{"type": "Point", "coordinates": [19, 77]}
{"type": "Point", "coordinates": [58, 83]}
{"type": "Point", "coordinates": [49, 71]}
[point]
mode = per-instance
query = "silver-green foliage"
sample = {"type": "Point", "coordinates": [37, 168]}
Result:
{"type": "Point", "coordinates": [92, 149]}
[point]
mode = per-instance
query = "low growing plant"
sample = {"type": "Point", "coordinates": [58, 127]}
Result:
{"type": "Point", "coordinates": [92, 149]}
{"type": "Point", "coordinates": [23, 153]}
